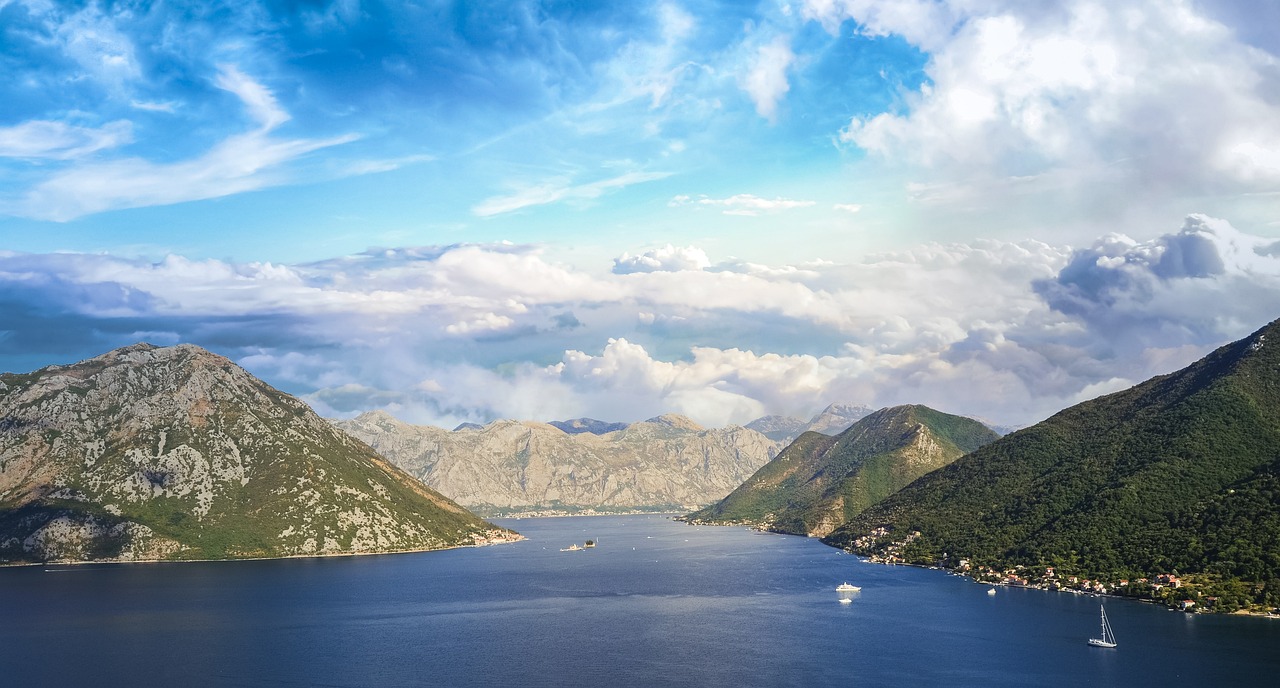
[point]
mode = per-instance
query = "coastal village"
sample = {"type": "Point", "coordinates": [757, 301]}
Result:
{"type": "Point", "coordinates": [1192, 594]}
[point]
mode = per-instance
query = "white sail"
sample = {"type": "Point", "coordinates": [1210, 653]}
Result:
{"type": "Point", "coordinates": [1108, 638]}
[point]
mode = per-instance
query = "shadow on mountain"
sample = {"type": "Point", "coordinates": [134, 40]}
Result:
{"type": "Point", "coordinates": [84, 533]}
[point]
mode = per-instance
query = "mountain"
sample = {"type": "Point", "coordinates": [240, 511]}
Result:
{"type": "Point", "coordinates": [511, 466]}
{"type": "Point", "coordinates": [818, 482]}
{"type": "Point", "coordinates": [591, 425]}
{"type": "Point", "coordinates": [837, 418]}
{"type": "Point", "coordinates": [177, 453]}
{"type": "Point", "coordinates": [778, 428]}
{"type": "Point", "coordinates": [1181, 472]}
{"type": "Point", "coordinates": [832, 420]}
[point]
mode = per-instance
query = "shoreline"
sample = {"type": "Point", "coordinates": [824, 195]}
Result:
{"type": "Point", "coordinates": [511, 539]}
{"type": "Point", "coordinates": [552, 513]}
{"type": "Point", "coordinates": [954, 572]}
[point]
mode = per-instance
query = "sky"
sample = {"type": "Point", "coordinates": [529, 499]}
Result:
{"type": "Point", "coordinates": [463, 211]}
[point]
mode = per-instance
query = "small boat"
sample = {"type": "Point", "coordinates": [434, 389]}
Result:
{"type": "Point", "coordinates": [571, 548]}
{"type": "Point", "coordinates": [589, 544]}
{"type": "Point", "coordinates": [846, 600]}
{"type": "Point", "coordinates": [845, 587]}
{"type": "Point", "coordinates": [1108, 638]}
{"type": "Point", "coordinates": [991, 591]}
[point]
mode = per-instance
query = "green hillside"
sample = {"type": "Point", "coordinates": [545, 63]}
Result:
{"type": "Point", "coordinates": [819, 482]}
{"type": "Point", "coordinates": [1178, 474]}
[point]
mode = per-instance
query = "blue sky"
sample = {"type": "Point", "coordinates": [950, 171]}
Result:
{"type": "Point", "coordinates": [462, 211]}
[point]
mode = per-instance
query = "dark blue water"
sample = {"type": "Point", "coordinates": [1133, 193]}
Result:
{"type": "Point", "coordinates": [658, 603]}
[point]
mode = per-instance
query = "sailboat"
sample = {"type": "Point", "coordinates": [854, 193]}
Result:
{"type": "Point", "coordinates": [1108, 638]}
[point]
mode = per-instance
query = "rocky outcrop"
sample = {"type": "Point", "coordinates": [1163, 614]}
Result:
{"type": "Point", "coordinates": [177, 453]}
{"type": "Point", "coordinates": [514, 466]}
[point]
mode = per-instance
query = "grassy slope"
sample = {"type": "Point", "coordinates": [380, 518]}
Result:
{"type": "Point", "coordinates": [818, 480]}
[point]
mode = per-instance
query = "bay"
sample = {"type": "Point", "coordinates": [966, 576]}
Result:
{"type": "Point", "coordinates": [657, 603]}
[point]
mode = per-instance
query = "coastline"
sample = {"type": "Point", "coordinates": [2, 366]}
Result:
{"type": "Point", "coordinates": [868, 559]}
{"type": "Point", "coordinates": [511, 538]}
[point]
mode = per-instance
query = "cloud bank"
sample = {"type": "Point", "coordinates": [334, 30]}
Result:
{"type": "Point", "coordinates": [1010, 331]}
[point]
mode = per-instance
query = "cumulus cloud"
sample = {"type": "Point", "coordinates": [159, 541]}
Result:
{"type": "Point", "coordinates": [1099, 99]}
{"type": "Point", "coordinates": [1207, 279]}
{"type": "Point", "coordinates": [1011, 331]}
{"type": "Point", "coordinates": [668, 259]}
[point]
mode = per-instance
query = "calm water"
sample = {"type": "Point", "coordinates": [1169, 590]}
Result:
{"type": "Point", "coordinates": [657, 604]}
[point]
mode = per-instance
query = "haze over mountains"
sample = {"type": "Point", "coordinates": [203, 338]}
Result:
{"type": "Point", "coordinates": [177, 453]}
{"type": "Point", "coordinates": [665, 463]}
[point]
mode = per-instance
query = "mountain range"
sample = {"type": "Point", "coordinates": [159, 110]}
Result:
{"type": "Point", "coordinates": [819, 482]}
{"type": "Point", "coordinates": [832, 420]}
{"type": "Point", "coordinates": [508, 466]}
{"type": "Point", "coordinates": [176, 453]}
{"type": "Point", "coordinates": [1180, 473]}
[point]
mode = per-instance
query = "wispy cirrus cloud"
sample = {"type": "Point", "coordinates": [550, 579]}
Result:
{"type": "Point", "coordinates": [48, 140]}
{"type": "Point", "coordinates": [742, 204]}
{"type": "Point", "coordinates": [243, 162]}
{"type": "Point", "coordinates": [557, 190]}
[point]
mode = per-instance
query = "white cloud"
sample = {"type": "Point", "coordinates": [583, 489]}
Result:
{"type": "Point", "coordinates": [1106, 102]}
{"type": "Point", "coordinates": [559, 190]}
{"type": "Point", "coordinates": [666, 259]}
{"type": "Point", "coordinates": [1208, 278]}
{"type": "Point", "coordinates": [239, 163]}
{"type": "Point", "coordinates": [1007, 331]}
{"type": "Point", "coordinates": [742, 204]}
{"type": "Point", "coordinates": [259, 101]}
{"type": "Point", "coordinates": [766, 79]}
{"type": "Point", "coordinates": [42, 139]}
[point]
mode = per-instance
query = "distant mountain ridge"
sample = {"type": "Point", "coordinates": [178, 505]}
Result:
{"type": "Point", "coordinates": [832, 420]}
{"type": "Point", "coordinates": [177, 453]}
{"type": "Point", "coordinates": [820, 481]}
{"type": "Point", "coordinates": [580, 425]}
{"type": "Point", "coordinates": [507, 466]}
{"type": "Point", "coordinates": [1179, 473]}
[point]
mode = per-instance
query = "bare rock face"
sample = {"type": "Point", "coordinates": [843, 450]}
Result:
{"type": "Point", "coordinates": [511, 466]}
{"type": "Point", "coordinates": [177, 453]}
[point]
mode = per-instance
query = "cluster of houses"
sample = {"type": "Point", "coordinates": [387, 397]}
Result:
{"type": "Point", "coordinates": [1047, 578]}
{"type": "Point", "coordinates": [1044, 578]}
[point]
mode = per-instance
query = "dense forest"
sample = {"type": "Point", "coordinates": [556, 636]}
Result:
{"type": "Point", "coordinates": [1180, 474]}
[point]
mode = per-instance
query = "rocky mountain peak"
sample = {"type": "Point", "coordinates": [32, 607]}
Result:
{"type": "Point", "coordinates": [175, 452]}
{"type": "Point", "coordinates": [677, 421]}
{"type": "Point", "coordinates": [837, 417]}
{"type": "Point", "coordinates": [513, 466]}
